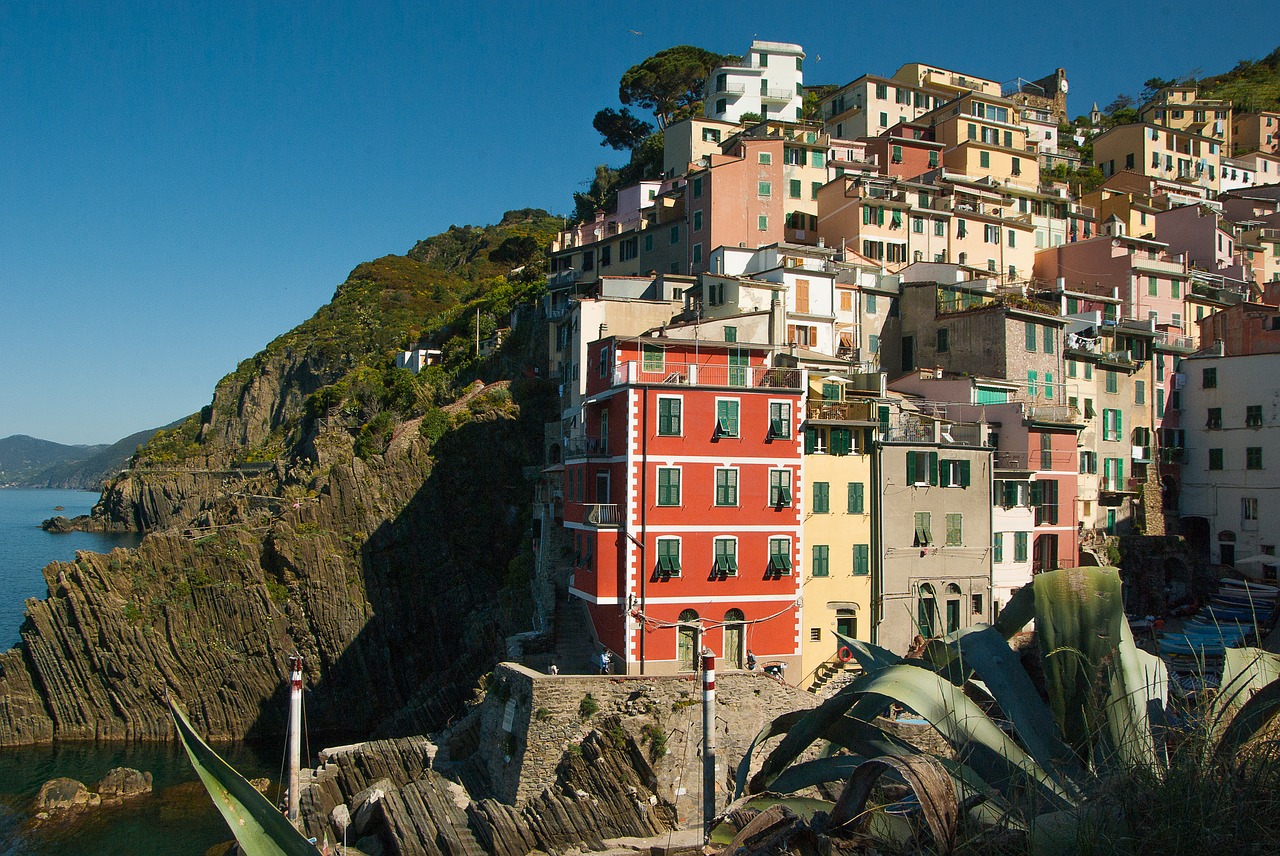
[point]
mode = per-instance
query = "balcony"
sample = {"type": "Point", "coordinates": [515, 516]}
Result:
{"type": "Point", "coordinates": [1012, 462]}
{"type": "Point", "coordinates": [1141, 454]}
{"type": "Point", "coordinates": [776, 96]}
{"type": "Point", "coordinates": [690, 374]}
{"type": "Point", "coordinates": [601, 516]}
{"type": "Point", "coordinates": [842, 411]}
{"type": "Point", "coordinates": [732, 90]}
{"type": "Point", "coordinates": [1174, 342]}
{"type": "Point", "coordinates": [1057, 414]}
{"type": "Point", "coordinates": [1173, 455]}
{"type": "Point", "coordinates": [580, 444]}
{"type": "Point", "coordinates": [1150, 262]}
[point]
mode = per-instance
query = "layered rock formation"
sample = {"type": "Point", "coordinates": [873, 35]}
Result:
{"type": "Point", "coordinates": [386, 574]}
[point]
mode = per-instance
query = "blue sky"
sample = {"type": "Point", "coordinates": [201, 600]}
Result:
{"type": "Point", "coordinates": [182, 182]}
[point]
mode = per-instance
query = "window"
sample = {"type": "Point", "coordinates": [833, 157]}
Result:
{"type": "Point", "coordinates": [857, 503]}
{"type": "Point", "coordinates": [793, 188]}
{"type": "Point", "coordinates": [1112, 424]}
{"type": "Point", "coordinates": [884, 120]}
{"type": "Point", "coordinates": [940, 228]}
{"type": "Point", "coordinates": [990, 234]}
{"type": "Point", "coordinates": [873, 343]}
{"type": "Point", "coordinates": [933, 160]}
{"type": "Point", "coordinates": [1253, 416]}
{"type": "Point", "coordinates": [762, 222]}
{"type": "Point", "coordinates": [955, 530]}
{"type": "Point", "coordinates": [697, 253]}
{"type": "Point", "coordinates": [1160, 402]}
{"type": "Point", "coordinates": [1253, 458]}
{"type": "Point", "coordinates": [861, 560]}
{"type": "Point", "coordinates": [1030, 336]}
{"type": "Point", "coordinates": [1209, 379]}
{"type": "Point", "coordinates": [1113, 384]}
{"type": "Point", "coordinates": [922, 468]}
{"type": "Point", "coordinates": [726, 487]}
{"type": "Point", "coordinates": [975, 601]}
{"type": "Point", "coordinates": [1044, 497]}
{"type": "Point", "coordinates": [652, 358]}
{"type": "Point", "coordinates": [712, 135]}
{"type": "Point", "coordinates": [1215, 459]}
{"type": "Point", "coordinates": [815, 633]}
{"type": "Point", "coordinates": [871, 304]}
{"type": "Point", "coordinates": [1033, 384]}
{"type": "Point", "coordinates": [765, 158]}
{"type": "Point", "coordinates": [726, 556]}
{"type": "Point", "coordinates": [1020, 540]}
{"type": "Point", "coordinates": [764, 188]}
{"type": "Point", "coordinates": [917, 225]}
{"type": "Point", "coordinates": [1249, 511]}
{"type": "Point", "coordinates": [896, 154]}
{"type": "Point", "coordinates": [923, 536]}
{"type": "Point", "coordinates": [1048, 336]}
{"type": "Point", "coordinates": [997, 548]}
{"type": "Point", "coordinates": [984, 160]}
{"type": "Point", "coordinates": [953, 473]}
{"type": "Point", "coordinates": [821, 564]}
{"type": "Point", "coordinates": [697, 188]}
{"type": "Point", "coordinates": [1215, 418]}
{"type": "Point", "coordinates": [726, 417]}
{"type": "Point", "coordinates": [1048, 385]}
{"type": "Point", "coordinates": [821, 497]}
{"type": "Point", "coordinates": [814, 187]}
{"type": "Point", "coordinates": [1046, 450]}
{"type": "Point", "coordinates": [697, 221]}
{"type": "Point", "coordinates": [668, 485]}
{"type": "Point", "coordinates": [779, 488]}
{"type": "Point", "coordinates": [1139, 392]}
{"type": "Point", "coordinates": [669, 557]}
{"type": "Point", "coordinates": [942, 340]}
{"type": "Point", "coordinates": [779, 419]}
{"type": "Point", "coordinates": [780, 555]}
{"type": "Point", "coordinates": [1089, 462]}
{"type": "Point", "coordinates": [648, 243]}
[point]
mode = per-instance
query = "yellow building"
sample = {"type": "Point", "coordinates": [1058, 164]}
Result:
{"type": "Point", "coordinates": [840, 555]}
{"type": "Point", "coordinates": [984, 138]}
{"type": "Point", "coordinates": [944, 80]}
{"type": "Point", "coordinates": [1180, 108]}
{"type": "Point", "coordinates": [1160, 153]}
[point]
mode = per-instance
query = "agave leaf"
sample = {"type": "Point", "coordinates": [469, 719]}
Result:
{"type": "Point", "coordinates": [800, 735]}
{"type": "Point", "coordinates": [1017, 613]}
{"type": "Point", "coordinates": [1139, 684]}
{"type": "Point", "coordinates": [928, 779]}
{"type": "Point", "coordinates": [988, 655]}
{"type": "Point", "coordinates": [870, 657]}
{"type": "Point", "coordinates": [259, 827]}
{"type": "Point", "coordinates": [780, 725]}
{"type": "Point", "coordinates": [1253, 716]}
{"type": "Point", "coordinates": [1244, 671]}
{"type": "Point", "coordinates": [1078, 616]}
{"type": "Point", "coordinates": [978, 741]}
{"type": "Point", "coordinates": [820, 771]}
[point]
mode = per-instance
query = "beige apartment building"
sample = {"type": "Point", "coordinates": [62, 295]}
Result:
{"type": "Point", "coordinates": [1162, 153]}
{"type": "Point", "coordinates": [1180, 108]}
{"type": "Point", "coordinates": [1256, 132]}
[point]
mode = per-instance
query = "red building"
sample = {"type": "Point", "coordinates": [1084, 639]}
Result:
{"type": "Point", "coordinates": [683, 501]}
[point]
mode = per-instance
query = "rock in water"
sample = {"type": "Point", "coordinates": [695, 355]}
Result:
{"type": "Point", "coordinates": [123, 783]}
{"type": "Point", "coordinates": [63, 794]}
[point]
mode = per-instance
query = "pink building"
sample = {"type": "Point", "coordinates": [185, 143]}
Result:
{"type": "Point", "coordinates": [1203, 237]}
{"type": "Point", "coordinates": [1149, 280]}
{"type": "Point", "coordinates": [905, 151]}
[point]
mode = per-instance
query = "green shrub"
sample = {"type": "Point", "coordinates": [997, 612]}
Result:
{"type": "Point", "coordinates": [588, 707]}
{"type": "Point", "coordinates": [375, 436]}
{"type": "Point", "coordinates": [435, 424]}
{"type": "Point", "coordinates": [542, 714]}
{"type": "Point", "coordinates": [656, 737]}
{"type": "Point", "coordinates": [278, 592]}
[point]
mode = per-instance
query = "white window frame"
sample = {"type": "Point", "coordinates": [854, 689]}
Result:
{"type": "Point", "coordinates": [789, 486]}
{"type": "Point", "coordinates": [658, 555]}
{"type": "Point", "coordinates": [733, 539]}
{"type": "Point", "coordinates": [680, 485]}
{"type": "Point", "coordinates": [790, 554]}
{"type": "Point", "coordinates": [737, 487]}
{"type": "Point", "coordinates": [782, 402]}
{"type": "Point", "coordinates": [658, 428]}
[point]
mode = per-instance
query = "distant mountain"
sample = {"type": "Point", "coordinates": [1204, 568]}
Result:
{"type": "Point", "coordinates": [23, 458]}
{"type": "Point", "coordinates": [89, 473]}
{"type": "Point", "coordinates": [32, 462]}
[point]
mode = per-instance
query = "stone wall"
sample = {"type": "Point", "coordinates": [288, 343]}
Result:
{"type": "Point", "coordinates": [529, 720]}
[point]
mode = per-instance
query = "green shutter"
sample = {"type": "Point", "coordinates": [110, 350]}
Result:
{"type": "Point", "coordinates": [861, 559]}
{"type": "Point", "coordinates": [964, 473]}
{"type": "Point", "coordinates": [821, 497]}
{"type": "Point", "coordinates": [997, 548]}
{"type": "Point", "coordinates": [933, 468]}
{"type": "Point", "coordinates": [810, 440]}
{"type": "Point", "coordinates": [883, 416]}
{"type": "Point", "coordinates": [1035, 494]}
{"type": "Point", "coordinates": [911, 468]}
{"type": "Point", "coordinates": [856, 501]}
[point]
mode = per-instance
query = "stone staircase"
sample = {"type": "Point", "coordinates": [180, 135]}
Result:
{"type": "Point", "coordinates": [831, 676]}
{"type": "Point", "coordinates": [576, 652]}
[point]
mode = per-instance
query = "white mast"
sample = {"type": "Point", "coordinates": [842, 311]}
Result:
{"type": "Point", "coordinates": [295, 735]}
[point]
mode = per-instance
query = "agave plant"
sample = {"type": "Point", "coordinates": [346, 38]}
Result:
{"type": "Point", "coordinates": [1022, 761]}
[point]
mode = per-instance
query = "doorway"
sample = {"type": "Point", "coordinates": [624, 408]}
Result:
{"type": "Point", "coordinates": [734, 639]}
{"type": "Point", "coordinates": [687, 642]}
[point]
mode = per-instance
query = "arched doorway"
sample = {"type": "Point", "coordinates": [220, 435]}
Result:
{"type": "Point", "coordinates": [926, 611]}
{"type": "Point", "coordinates": [953, 607]}
{"type": "Point", "coordinates": [734, 639]}
{"type": "Point", "coordinates": [687, 642]}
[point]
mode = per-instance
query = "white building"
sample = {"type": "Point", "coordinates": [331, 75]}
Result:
{"type": "Point", "coordinates": [1237, 174]}
{"type": "Point", "coordinates": [1230, 411]}
{"type": "Point", "coordinates": [769, 83]}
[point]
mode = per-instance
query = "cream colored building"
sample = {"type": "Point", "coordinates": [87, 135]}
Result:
{"type": "Point", "coordinates": [1181, 108]}
{"type": "Point", "coordinates": [1160, 153]}
{"type": "Point", "coordinates": [839, 547]}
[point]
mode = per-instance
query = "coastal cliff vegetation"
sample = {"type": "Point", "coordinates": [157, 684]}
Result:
{"type": "Point", "coordinates": [325, 502]}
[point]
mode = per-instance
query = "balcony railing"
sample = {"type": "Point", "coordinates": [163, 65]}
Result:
{"type": "Point", "coordinates": [690, 374]}
{"type": "Point", "coordinates": [776, 95]}
{"type": "Point", "coordinates": [1174, 341]}
{"type": "Point", "coordinates": [580, 444]}
{"type": "Point", "coordinates": [1017, 461]}
{"type": "Point", "coordinates": [1173, 455]}
{"type": "Point", "coordinates": [1055, 413]}
{"type": "Point", "coordinates": [842, 411]}
{"type": "Point", "coordinates": [597, 514]}
{"type": "Point", "coordinates": [732, 89]}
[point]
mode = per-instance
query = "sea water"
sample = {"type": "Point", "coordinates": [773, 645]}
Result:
{"type": "Point", "coordinates": [178, 818]}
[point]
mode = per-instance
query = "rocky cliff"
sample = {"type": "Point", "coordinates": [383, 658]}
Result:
{"type": "Point", "coordinates": [324, 502]}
